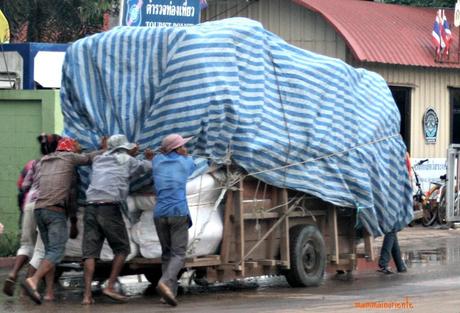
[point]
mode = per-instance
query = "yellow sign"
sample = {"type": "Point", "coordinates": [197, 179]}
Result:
{"type": "Point", "coordinates": [4, 29]}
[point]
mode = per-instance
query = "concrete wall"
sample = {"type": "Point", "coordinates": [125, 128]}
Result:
{"type": "Point", "coordinates": [24, 114]}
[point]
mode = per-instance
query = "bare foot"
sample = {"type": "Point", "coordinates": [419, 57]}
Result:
{"type": "Point", "coordinates": [49, 298]}
{"type": "Point", "coordinates": [87, 301]}
{"type": "Point", "coordinates": [112, 294]}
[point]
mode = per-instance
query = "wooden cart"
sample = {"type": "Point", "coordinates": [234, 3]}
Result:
{"type": "Point", "coordinates": [270, 231]}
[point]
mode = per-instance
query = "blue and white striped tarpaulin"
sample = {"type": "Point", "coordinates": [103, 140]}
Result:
{"type": "Point", "coordinates": [236, 87]}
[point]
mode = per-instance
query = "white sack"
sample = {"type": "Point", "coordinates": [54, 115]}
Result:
{"type": "Point", "coordinates": [205, 234]}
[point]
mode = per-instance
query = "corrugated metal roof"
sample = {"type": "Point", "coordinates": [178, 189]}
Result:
{"type": "Point", "coordinates": [386, 33]}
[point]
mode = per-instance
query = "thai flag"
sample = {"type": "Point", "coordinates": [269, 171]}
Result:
{"type": "Point", "coordinates": [438, 29]}
{"type": "Point", "coordinates": [447, 34]}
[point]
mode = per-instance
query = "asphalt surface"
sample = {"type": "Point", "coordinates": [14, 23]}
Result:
{"type": "Point", "coordinates": [432, 284]}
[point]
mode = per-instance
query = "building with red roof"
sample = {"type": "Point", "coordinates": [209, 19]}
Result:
{"type": "Point", "coordinates": [392, 40]}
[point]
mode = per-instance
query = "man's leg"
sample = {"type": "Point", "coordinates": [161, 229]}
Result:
{"type": "Point", "coordinates": [93, 239]}
{"type": "Point", "coordinates": [179, 241]}
{"type": "Point", "coordinates": [89, 265]}
{"type": "Point", "coordinates": [24, 253]}
{"type": "Point", "coordinates": [19, 262]}
{"type": "Point", "coordinates": [164, 235]}
{"type": "Point", "coordinates": [54, 233]}
{"type": "Point", "coordinates": [117, 265]}
{"type": "Point", "coordinates": [112, 224]}
{"type": "Point", "coordinates": [49, 280]}
{"type": "Point", "coordinates": [396, 253]}
{"type": "Point", "coordinates": [45, 267]}
{"type": "Point", "coordinates": [385, 252]}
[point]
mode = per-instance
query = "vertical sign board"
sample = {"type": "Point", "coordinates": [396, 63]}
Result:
{"type": "Point", "coordinates": [153, 13]}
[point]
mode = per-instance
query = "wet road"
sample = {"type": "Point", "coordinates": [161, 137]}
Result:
{"type": "Point", "coordinates": [432, 284]}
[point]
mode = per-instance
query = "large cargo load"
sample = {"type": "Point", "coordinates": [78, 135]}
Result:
{"type": "Point", "coordinates": [289, 117]}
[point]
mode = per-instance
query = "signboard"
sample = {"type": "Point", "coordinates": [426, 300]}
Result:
{"type": "Point", "coordinates": [430, 125]}
{"type": "Point", "coordinates": [428, 172]}
{"type": "Point", "coordinates": [154, 13]}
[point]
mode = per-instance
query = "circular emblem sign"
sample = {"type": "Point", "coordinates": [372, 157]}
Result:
{"type": "Point", "coordinates": [430, 125]}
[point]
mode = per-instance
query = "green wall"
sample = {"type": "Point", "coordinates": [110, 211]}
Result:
{"type": "Point", "coordinates": [24, 114]}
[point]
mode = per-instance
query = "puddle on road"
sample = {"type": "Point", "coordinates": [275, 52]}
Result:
{"type": "Point", "coordinates": [445, 254]}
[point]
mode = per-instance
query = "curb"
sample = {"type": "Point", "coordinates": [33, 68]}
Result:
{"type": "Point", "coordinates": [7, 261]}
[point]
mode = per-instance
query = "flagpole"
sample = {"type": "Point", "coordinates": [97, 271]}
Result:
{"type": "Point", "coordinates": [457, 24]}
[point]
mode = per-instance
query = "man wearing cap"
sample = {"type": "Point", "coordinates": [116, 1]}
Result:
{"type": "Point", "coordinates": [109, 187]}
{"type": "Point", "coordinates": [171, 170]}
{"type": "Point", "coordinates": [55, 179]}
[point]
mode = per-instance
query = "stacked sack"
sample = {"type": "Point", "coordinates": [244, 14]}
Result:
{"type": "Point", "coordinates": [205, 234]}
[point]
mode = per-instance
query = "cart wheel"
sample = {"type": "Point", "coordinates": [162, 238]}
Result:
{"type": "Point", "coordinates": [429, 217]}
{"type": "Point", "coordinates": [442, 211]}
{"type": "Point", "coordinates": [308, 256]}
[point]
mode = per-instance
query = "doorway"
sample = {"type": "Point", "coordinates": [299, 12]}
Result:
{"type": "Point", "coordinates": [402, 96]}
{"type": "Point", "coordinates": [455, 115]}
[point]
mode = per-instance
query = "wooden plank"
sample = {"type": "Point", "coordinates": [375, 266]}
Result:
{"type": "Point", "coordinates": [256, 204]}
{"type": "Point", "coordinates": [239, 227]}
{"type": "Point", "coordinates": [284, 240]}
{"type": "Point", "coordinates": [228, 230]}
{"type": "Point", "coordinates": [268, 262]}
{"type": "Point", "coordinates": [270, 241]}
{"type": "Point", "coordinates": [274, 215]}
{"type": "Point", "coordinates": [203, 261]}
{"type": "Point", "coordinates": [260, 215]}
{"type": "Point", "coordinates": [333, 235]}
{"type": "Point", "coordinates": [369, 247]}
{"type": "Point", "coordinates": [251, 265]}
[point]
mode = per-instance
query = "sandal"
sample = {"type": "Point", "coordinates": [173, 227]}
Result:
{"type": "Point", "coordinates": [8, 287]}
{"type": "Point", "coordinates": [31, 292]}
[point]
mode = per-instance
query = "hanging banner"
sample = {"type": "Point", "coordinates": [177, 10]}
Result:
{"type": "Point", "coordinates": [4, 29]}
{"type": "Point", "coordinates": [430, 125]}
{"type": "Point", "coordinates": [154, 13]}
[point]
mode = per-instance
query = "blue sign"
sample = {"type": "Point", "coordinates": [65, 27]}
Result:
{"type": "Point", "coordinates": [153, 13]}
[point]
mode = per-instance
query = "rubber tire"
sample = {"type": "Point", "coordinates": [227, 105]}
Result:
{"type": "Point", "coordinates": [306, 239]}
{"type": "Point", "coordinates": [442, 211]}
{"type": "Point", "coordinates": [428, 221]}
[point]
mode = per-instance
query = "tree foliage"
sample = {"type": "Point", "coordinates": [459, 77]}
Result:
{"type": "Point", "coordinates": [425, 3]}
{"type": "Point", "coordinates": [55, 20]}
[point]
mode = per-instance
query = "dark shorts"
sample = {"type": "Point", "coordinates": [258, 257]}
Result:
{"type": "Point", "coordinates": [101, 222]}
{"type": "Point", "coordinates": [53, 231]}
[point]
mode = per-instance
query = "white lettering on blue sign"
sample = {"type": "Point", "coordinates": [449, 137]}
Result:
{"type": "Point", "coordinates": [170, 10]}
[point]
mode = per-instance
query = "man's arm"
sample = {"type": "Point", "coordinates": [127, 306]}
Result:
{"type": "Point", "coordinates": [139, 167]}
{"type": "Point", "coordinates": [29, 178]}
{"type": "Point", "coordinates": [192, 165]}
{"type": "Point", "coordinates": [87, 158]}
